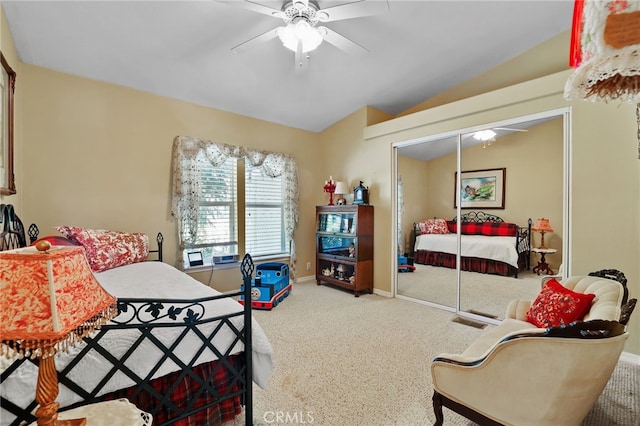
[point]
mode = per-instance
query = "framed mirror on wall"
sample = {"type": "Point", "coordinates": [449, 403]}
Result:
{"type": "Point", "coordinates": [7, 86]}
{"type": "Point", "coordinates": [521, 173]}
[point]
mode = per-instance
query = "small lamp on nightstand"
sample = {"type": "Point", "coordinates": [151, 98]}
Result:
{"type": "Point", "coordinates": [341, 190]}
{"type": "Point", "coordinates": [542, 226]}
{"type": "Point", "coordinates": [49, 300]}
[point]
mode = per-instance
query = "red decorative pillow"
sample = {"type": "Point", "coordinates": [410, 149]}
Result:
{"type": "Point", "coordinates": [433, 226]}
{"type": "Point", "coordinates": [556, 305]}
{"type": "Point", "coordinates": [108, 249]}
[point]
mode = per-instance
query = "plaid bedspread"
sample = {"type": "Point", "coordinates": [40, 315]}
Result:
{"type": "Point", "coordinates": [188, 394]}
{"type": "Point", "coordinates": [473, 264]}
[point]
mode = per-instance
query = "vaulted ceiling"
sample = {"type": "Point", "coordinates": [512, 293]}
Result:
{"type": "Point", "coordinates": [182, 50]}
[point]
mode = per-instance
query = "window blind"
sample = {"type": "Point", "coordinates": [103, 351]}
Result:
{"type": "Point", "coordinates": [217, 213]}
{"type": "Point", "coordinates": [264, 225]}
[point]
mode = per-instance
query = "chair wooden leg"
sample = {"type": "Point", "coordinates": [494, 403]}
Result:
{"type": "Point", "coordinates": [437, 408]}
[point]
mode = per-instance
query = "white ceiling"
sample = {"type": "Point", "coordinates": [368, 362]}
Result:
{"type": "Point", "coordinates": [181, 49]}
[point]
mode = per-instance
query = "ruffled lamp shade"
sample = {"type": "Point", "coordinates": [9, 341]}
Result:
{"type": "Point", "coordinates": [605, 51]}
{"type": "Point", "coordinates": [48, 300]}
{"type": "Point", "coordinates": [543, 226]}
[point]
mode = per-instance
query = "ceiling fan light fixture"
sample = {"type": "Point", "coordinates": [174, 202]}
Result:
{"type": "Point", "coordinates": [300, 31]}
{"type": "Point", "coordinates": [484, 135]}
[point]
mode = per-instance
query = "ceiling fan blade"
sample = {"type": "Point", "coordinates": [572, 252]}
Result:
{"type": "Point", "coordinates": [342, 43]}
{"type": "Point", "coordinates": [262, 38]}
{"type": "Point", "coordinates": [255, 7]}
{"type": "Point", "coordinates": [354, 9]}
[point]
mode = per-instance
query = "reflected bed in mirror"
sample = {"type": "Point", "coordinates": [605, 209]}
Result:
{"type": "Point", "coordinates": [488, 244]}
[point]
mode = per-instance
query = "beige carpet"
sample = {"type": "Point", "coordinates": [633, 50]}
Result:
{"type": "Point", "coordinates": [342, 360]}
{"type": "Point", "coordinates": [483, 293]}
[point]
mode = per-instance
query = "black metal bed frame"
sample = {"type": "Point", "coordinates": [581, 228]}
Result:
{"type": "Point", "coordinates": [184, 314]}
{"type": "Point", "coordinates": [11, 229]}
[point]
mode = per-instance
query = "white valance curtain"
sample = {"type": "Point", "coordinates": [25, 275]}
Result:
{"type": "Point", "coordinates": [188, 151]}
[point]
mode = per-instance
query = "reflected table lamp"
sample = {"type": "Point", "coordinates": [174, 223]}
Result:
{"type": "Point", "coordinates": [49, 301]}
{"type": "Point", "coordinates": [542, 226]}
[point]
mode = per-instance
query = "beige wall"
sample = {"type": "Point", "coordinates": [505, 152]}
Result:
{"type": "Point", "coordinates": [100, 156]}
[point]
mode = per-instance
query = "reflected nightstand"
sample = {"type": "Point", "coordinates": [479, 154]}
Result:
{"type": "Point", "coordinates": [542, 265]}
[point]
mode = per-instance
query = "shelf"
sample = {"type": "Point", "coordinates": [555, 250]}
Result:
{"type": "Point", "coordinates": [344, 247]}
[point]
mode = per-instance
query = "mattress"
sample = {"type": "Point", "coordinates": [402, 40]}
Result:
{"type": "Point", "coordinates": [501, 249]}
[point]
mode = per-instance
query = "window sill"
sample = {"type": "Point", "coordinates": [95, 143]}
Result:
{"type": "Point", "coordinates": [218, 266]}
{"type": "Point", "coordinates": [207, 268]}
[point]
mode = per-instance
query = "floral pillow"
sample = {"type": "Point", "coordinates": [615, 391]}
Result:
{"type": "Point", "coordinates": [433, 226]}
{"type": "Point", "coordinates": [557, 305]}
{"type": "Point", "coordinates": [108, 249]}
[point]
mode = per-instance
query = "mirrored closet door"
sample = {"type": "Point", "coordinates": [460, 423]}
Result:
{"type": "Point", "coordinates": [513, 171]}
{"type": "Point", "coordinates": [418, 166]}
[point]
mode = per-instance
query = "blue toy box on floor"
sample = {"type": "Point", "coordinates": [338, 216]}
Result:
{"type": "Point", "coordinates": [405, 264]}
{"type": "Point", "coordinates": [270, 286]}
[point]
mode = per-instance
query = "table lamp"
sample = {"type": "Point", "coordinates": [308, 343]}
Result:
{"type": "Point", "coordinates": [341, 189]}
{"type": "Point", "coordinates": [542, 226]}
{"type": "Point", "coordinates": [49, 300]}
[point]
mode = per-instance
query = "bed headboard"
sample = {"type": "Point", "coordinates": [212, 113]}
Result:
{"type": "Point", "coordinates": [478, 217]}
{"type": "Point", "coordinates": [12, 235]}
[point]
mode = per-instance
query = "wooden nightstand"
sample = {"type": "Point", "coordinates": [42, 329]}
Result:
{"type": "Point", "coordinates": [542, 265]}
{"type": "Point", "coordinates": [119, 412]}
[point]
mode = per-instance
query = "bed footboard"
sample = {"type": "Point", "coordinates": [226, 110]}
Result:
{"type": "Point", "coordinates": [218, 386]}
{"type": "Point", "coordinates": [523, 246]}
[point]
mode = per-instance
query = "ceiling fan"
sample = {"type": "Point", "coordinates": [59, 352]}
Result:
{"type": "Point", "coordinates": [488, 136]}
{"type": "Point", "coordinates": [301, 32]}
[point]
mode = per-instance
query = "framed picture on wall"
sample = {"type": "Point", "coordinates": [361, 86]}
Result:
{"type": "Point", "coordinates": [7, 87]}
{"type": "Point", "coordinates": [480, 189]}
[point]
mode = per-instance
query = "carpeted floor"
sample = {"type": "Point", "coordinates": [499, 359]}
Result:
{"type": "Point", "coordinates": [484, 293]}
{"type": "Point", "coordinates": [342, 360]}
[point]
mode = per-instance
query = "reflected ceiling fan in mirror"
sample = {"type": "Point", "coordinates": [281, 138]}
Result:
{"type": "Point", "coordinates": [488, 136]}
{"type": "Point", "coordinates": [301, 33]}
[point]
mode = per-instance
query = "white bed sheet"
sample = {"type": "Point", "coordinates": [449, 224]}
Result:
{"type": "Point", "coordinates": [148, 280]}
{"type": "Point", "coordinates": [498, 248]}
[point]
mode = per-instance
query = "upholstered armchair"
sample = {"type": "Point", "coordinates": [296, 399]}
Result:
{"type": "Point", "coordinates": [521, 373]}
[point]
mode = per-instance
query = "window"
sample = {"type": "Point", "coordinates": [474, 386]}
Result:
{"type": "Point", "coordinates": [229, 200]}
{"type": "Point", "coordinates": [220, 206]}
{"type": "Point", "coordinates": [264, 223]}
{"type": "Point", "coordinates": [217, 231]}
